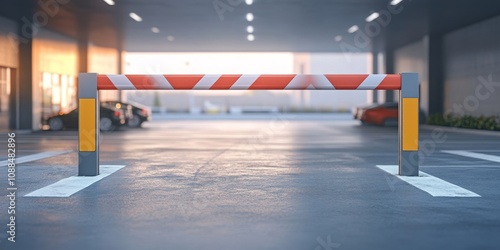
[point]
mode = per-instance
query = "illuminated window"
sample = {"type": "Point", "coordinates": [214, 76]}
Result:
{"type": "Point", "coordinates": [4, 88]}
{"type": "Point", "coordinates": [64, 92]}
{"type": "Point", "coordinates": [72, 92]}
{"type": "Point", "coordinates": [56, 90]}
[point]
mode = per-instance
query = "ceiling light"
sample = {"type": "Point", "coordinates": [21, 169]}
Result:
{"type": "Point", "coordinates": [250, 29]}
{"type": "Point", "coordinates": [135, 17]}
{"type": "Point", "coordinates": [353, 29]}
{"type": "Point", "coordinates": [155, 30]}
{"type": "Point", "coordinates": [170, 38]}
{"type": "Point", "coordinates": [110, 2]}
{"type": "Point", "coordinates": [250, 37]}
{"type": "Point", "coordinates": [396, 2]}
{"type": "Point", "coordinates": [372, 17]}
{"type": "Point", "coordinates": [249, 17]}
{"type": "Point", "coordinates": [338, 38]}
{"type": "Point", "coordinates": [249, 2]}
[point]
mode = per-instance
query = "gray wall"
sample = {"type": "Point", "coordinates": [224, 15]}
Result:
{"type": "Point", "coordinates": [471, 54]}
{"type": "Point", "coordinates": [414, 58]}
{"type": "Point", "coordinates": [8, 48]}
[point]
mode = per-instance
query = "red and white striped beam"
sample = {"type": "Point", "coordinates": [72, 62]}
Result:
{"type": "Point", "coordinates": [250, 82]}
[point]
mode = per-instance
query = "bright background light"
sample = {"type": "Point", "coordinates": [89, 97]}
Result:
{"type": "Point", "coordinates": [135, 17]}
{"type": "Point", "coordinates": [353, 29]}
{"type": "Point", "coordinates": [372, 17]}
{"type": "Point", "coordinates": [249, 17]}
{"type": "Point", "coordinates": [396, 2]}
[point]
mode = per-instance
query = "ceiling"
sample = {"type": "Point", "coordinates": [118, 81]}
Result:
{"type": "Point", "coordinates": [279, 25]}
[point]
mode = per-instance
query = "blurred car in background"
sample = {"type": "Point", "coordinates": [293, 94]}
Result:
{"type": "Point", "coordinates": [127, 109]}
{"type": "Point", "coordinates": [136, 113]}
{"type": "Point", "coordinates": [110, 119]}
{"type": "Point", "coordinates": [358, 111]}
{"type": "Point", "coordinates": [385, 114]}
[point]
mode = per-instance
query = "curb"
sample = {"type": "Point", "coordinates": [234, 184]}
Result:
{"type": "Point", "coordinates": [462, 130]}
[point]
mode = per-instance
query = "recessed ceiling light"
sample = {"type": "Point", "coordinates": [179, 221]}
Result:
{"type": "Point", "coordinates": [250, 29]}
{"type": "Point", "coordinates": [353, 29]}
{"type": "Point", "coordinates": [249, 17]}
{"type": "Point", "coordinates": [372, 17]}
{"type": "Point", "coordinates": [155, 30]}
{"type": "Point", "coordinates": [250, 37]}
{"type": "Point", "coordinates": [396, 2]}
{"type": "Point", "coordinates": [170, 38]}
{"type": "Point", "coordinates": [249, 2]}
{"type": "Point", "coordinates": [338, 38]}
{"type": "Point", "coordinates": [135, 17]}
{"type": "Point", "coordinates": [110, 2]}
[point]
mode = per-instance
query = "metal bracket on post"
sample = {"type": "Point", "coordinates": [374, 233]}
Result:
{"type": "Point", "coordinates": [408, 124]}
{"type": "Point", "coordinates": [88, 125]}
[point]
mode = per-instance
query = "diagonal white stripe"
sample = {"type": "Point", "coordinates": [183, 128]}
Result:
{"type": "Point", "coordinates": [244, 82]}
{"type": "Point", "coordinates": [430, 184]}
{"type": "Point", "coordinates": [464, 153]}
{"type": "Point", "coordinates": [35, 157]}
{"type": "Point", "coordinates": [321, 82]}
{"type": "Point", "coordinates": [121, 82]}
{"type": "Point", "coordinates": [71, 185]}
{"type": "Point", "coordinates": [207, 81]}
{"type": "Point", "coordinates": [298, 82]}
{"type": "Point", "coordinates": [161, 82]}
{"type": "Point", "coordinates": [371, 82]}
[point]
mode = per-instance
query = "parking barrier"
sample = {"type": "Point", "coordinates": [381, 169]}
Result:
{"type": "Point", "coordinates": [90, 83]}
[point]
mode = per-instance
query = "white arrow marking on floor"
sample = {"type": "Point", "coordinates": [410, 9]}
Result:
{"type": "Point", "coordinates": [430, 184]}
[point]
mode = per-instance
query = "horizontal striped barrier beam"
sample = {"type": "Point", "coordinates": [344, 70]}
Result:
{"type": "Point", "coordinates": [89, 83]}
{"type": "Point", "coordinates": [250, 82]}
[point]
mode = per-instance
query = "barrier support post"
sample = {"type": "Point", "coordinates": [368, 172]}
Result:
{"type": "Point", "coordinates": [88, 125]}
{"type": "Point", "coordinates": [408, 124]}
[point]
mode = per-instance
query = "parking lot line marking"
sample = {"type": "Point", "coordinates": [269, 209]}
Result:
{"type": "Point", "coordinates": [486, 157]}
{"type": "Point", "coordinates": [35, 157]}
{"type": "Point", "coordinates": [430, 184]}
{"type": "Point", "coordinates": [461, 166]}
{"type": "Point", "coordinates": [69, 186]}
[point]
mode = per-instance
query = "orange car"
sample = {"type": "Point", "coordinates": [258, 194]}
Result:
{"type": "Point", "coordinates": [381, 114]}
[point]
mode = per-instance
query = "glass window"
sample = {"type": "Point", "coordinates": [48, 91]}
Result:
{"type": "Point", "coordinates": [56, 91]}
{"type": "Point", "coordinates": [4, 88]}
{"type": "Point", "coordinates": [64, 92]}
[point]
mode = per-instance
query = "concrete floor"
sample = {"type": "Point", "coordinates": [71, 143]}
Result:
{"type": "Point", "coordinates": [255, 182]}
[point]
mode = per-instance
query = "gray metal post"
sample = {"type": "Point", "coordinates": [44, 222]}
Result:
{"type": "Point", "coordinates": [408, 124]}
{"type": "Point", "coordinates": [88, 125]}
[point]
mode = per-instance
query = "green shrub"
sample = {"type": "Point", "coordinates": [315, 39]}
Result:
{"type": "Point", "coordinates": [465, 121]}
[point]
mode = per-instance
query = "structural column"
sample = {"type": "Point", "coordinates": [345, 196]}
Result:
{"type": "Point", "coordinates": [88, 125]}
{"type": "Point", "coordinates": [436, 78]}
{"type": "Point", "coordinates": [389, 68]}
{"type": "Point", "coordinates": [22, 112]}
{"type": "Point", "coordinates": [408, 124]}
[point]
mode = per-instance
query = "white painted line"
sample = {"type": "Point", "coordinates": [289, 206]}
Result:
{"type": "Point", "coordinates": [430, 184]}
{"type": "Point", "coordinates": [71, 185]}
{"type": "Point", "coordinates": [486, 157]}
{"type": "Point", "coordinates": [461, 166]}
{"type": "Point", "coordinates": [35, 157]}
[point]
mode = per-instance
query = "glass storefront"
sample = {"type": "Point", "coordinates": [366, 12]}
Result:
{"type": "Point", "coordinates": [58, 94]}
{"type": "Point", "coordinates": [4, 89]}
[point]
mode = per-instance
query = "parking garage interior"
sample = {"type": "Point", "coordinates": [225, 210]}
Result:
{"type": "Point", "coordinates": [263, 181]}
